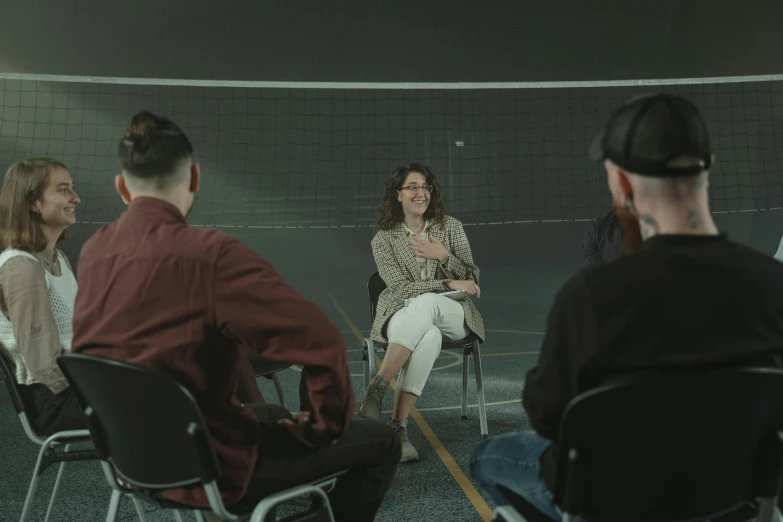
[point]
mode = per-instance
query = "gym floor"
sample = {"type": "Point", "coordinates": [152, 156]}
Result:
{"type": "Point", "coordinates": [518, 283]}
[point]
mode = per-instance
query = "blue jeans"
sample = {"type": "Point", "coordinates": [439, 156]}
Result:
{"type": "Point", "coordinates": [513, 460]}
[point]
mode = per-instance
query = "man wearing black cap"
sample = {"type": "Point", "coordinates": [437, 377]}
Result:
{"type": "Point", "coordinates": [684, 295]}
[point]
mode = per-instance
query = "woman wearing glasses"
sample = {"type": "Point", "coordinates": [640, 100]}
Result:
{"type": "Point", "coordinates": [420, 251]}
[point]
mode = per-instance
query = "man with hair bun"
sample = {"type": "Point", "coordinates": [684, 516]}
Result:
{"type": "Point", "coordinates": [156, 292]}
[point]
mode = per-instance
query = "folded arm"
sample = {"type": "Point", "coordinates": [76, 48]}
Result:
{"type": "Point", "coordinates": [460, 264]}
{"type": "Point", "coordinates": [255, 307]}
{"type": "Point", "coordinates": [394, 274]}
{"type": "Point", "coordinates": [35, 329]}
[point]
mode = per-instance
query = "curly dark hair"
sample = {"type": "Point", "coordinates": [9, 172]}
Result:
{"type": "Point", "coordinates": [391, 210]}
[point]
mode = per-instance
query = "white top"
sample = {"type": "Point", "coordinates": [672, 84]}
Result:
{"type": "Point", "coordinates": [422, 261]}
{"type": "Point", "coordinates": [62, 296]}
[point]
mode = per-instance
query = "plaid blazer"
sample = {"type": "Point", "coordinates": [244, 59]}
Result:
{"type": "Point", "coordinates": [398, 268]}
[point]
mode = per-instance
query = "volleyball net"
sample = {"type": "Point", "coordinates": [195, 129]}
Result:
{"type": "Point", "coordinates": [317, 155]}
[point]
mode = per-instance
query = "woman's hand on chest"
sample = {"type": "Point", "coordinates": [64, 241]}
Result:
{"type": "Point", "coordinates": [432, 249]}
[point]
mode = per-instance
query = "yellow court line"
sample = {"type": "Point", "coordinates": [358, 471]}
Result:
{"type": "Point", "coordinates": [467, 486]}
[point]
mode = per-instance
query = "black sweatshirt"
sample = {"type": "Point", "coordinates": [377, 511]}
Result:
{"type": "Point", "coordinates": [678, 300]}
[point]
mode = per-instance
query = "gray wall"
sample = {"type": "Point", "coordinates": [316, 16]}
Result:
{"type": "Point", "coordinates": [319, 157]}
{"type": "Point", "coordinates": [400, 41]}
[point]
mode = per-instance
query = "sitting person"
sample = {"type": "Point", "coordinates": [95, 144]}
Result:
{"type": "Point", "coordinates": [603, 241]}
{"type": "Point", "coordinates": [38, 289]}
{"type": "Point", "coordinates": [687, 297]}
{"type": "Point", "coordinates": [419, 251]}
{"type": "Point", "coordinates": [156, 292]}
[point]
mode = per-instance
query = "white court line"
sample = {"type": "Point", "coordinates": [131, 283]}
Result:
{"type": "Point", "coordinates": [522, 332]}
{"type": "Point", "coordinates": [248, 84]}
{"type": "Point", "coordinates": [517, 332]}
{"type": "Point", "coordinates": [439, 408]}
{"type": "Point", "coordinates": [457, 356]}
{"type": "Point", "coordinates": [544, 221]}
{"type": "Point", "coordinates": [298, 369]}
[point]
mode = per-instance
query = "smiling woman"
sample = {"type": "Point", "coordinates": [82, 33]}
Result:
{"type": "Point", "coordinates": [420, 251]}
{"type": "Point", "coordinates": [38, 288]}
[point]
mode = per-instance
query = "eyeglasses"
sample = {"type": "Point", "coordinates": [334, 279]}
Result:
{"type": "Point", "coordinates": [415, 188]}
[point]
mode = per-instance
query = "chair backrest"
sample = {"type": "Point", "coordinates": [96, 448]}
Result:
{"type": "Point", "coordinates": [144, 422]}
{"type": "Point", "coordinates": [375, 286]}
{"type": "Point", "coordinates": [10, 384]}
{"type": "Point", "coordinates": [671, 445]}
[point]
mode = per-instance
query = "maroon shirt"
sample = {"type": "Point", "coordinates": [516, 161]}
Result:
{"type": "Point", "coordinates": [154, 291]}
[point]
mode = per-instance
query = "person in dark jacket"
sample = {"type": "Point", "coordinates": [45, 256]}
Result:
{"type": "Point", "coordinates": [679, 279]}
{"type": "Point", "coordinates": [603, 241]}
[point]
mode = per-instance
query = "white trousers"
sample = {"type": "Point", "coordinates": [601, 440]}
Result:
{"type": "Point", "coordinates": [421, 327]}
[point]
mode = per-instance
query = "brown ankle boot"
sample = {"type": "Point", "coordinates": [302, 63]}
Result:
{"type": "Point", "coordinates": [372, 398]}
{"type": "Point", "coordinates": [400, 427]}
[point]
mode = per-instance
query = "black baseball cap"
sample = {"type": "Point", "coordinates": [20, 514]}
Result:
{"type": "Point", "coordinates": [648, 132]}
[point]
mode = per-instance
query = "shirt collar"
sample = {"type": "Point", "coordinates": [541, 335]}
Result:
{"type": "Point", "coordinates": [411, 232]}
{"type": "Point", "coordinates": [149, 204]}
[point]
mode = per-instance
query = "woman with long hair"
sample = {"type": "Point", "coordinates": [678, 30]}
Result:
{"type": "Point", "coordinates": [420, 252]}
{"type": "Point", "coordinates": [38, 289]}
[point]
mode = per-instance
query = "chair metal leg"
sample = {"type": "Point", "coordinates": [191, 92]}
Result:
{"type": "Point", "coordinates": [366, 366]}
{"type": "Point", "coordinates": [56, 488]}
{"type": "Point", "coordinates": [178, 516]}
{"type": "Point", "coordinates": [114, 506]}
{"type": "Point", "coordinates": [267, 504]}
{"type": "Point", "coordinates": [568, 517]}
{"type": "Point", "coordinates": [507, 514]}
{"type": "Point", "coordinates": [373, 368]}
{"type": "Point", "coordinates": [28, 502]}
{"type": "Point", "coordinates": [480, 389]}
{"type": "Point", "coordinates": [465, 372]}
{"type": "Point", "coordinates": [768, 511]}
{"type": "Point", "coordinates": [199, 516]}
{"type": "Point", "coordinates": [139, 509]}
{"type": "Point", "coordinates": [279, 389]}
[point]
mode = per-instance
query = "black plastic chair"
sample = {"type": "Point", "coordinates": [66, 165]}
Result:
{"type": "Point", "coordinates": [673, 445]}
{"type": "Point", "coordinates": [48, 454]}
{"type": "Point", "coordinates": [156, 438]}
{"type": "Point", "coordinates": [468, 346]}
{"type": "Point", "coordinates": [516, 509]}
{"type": "Point", "coordinates": [268, 369]}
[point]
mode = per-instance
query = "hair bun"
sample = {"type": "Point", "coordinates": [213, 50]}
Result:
{"type": "Point", "coordinates": [153, 146]}
{"type": "Point", "coordinates": [140, 132]}
{"type": "Point", "coordinates": [141, 142]}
